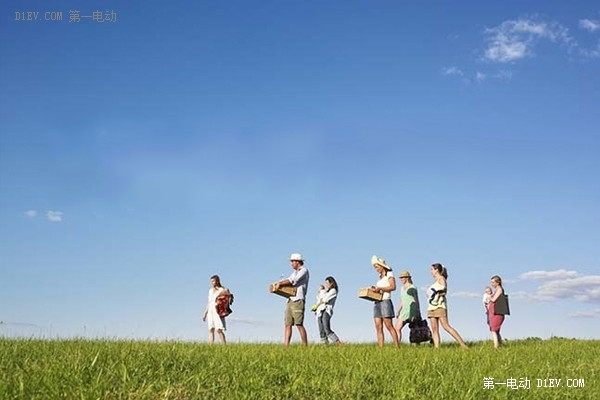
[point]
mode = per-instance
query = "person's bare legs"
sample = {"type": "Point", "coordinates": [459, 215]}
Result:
{"type": "Point", "coordinates": [379, 330]}
{"type": "Point", "coordinates": [390, 327]}
{"type": "Point", "coordinates": [399, 326]}
{"type": "Point", "coordinates": [435, 332]}
{"type": "Point", "coordinates": [287, 335]}
{"type": "Point", "coordinates": [453, 332]}
{"type": "Point", "coordinates": [303, 335]}
{"type": "Point", "coordinates": [497, 339]}
{"type": "Point", "coordinates": [211, 335]}
{"type": "Point", "coordinates": [222, 336]}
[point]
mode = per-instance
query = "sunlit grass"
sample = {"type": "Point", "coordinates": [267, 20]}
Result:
{"type": "Point", "coordinates": [99, 369]}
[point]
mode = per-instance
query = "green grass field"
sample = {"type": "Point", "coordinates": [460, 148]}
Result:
{"type": "Point", "coordinates": [103, 369]}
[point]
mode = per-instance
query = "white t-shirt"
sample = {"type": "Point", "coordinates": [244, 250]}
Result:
{"type": "Point", "coordinates": [384, 282]}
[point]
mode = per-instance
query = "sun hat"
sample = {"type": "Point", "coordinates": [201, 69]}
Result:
{"type": "Point", "coordinates": [404, 274]}
{"type": "Point", "coordinates": [381, 262]}
{"type": "Point", "coordinates": [296, 257]}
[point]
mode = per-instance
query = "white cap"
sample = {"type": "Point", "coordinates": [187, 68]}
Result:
{"type": "Point", "coordinates": [296, 257]}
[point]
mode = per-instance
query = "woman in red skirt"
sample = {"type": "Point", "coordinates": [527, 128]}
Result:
{"type": "Point", "coordinates": [495, 321]}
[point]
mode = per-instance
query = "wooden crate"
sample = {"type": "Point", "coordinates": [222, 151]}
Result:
{"type": "Point", "coordinates": [369, 294]}
{"type": "Point", "coordinates": [285, 291]}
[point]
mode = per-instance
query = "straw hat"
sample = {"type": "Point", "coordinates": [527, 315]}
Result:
{"type": "Point", "coordinates": [404, 274]}
{"type": "Point", "coordinates": [381, 262]}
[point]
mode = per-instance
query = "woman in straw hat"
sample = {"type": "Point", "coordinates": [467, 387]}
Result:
{"type": "Point", "coordinates": [410, 309]}
{"type": "Point", "coordinates": [436, 310]}
{"type": "Point", "coordinates": [383, 311]}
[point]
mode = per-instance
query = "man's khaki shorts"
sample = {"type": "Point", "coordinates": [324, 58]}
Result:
{"type": "Point", "coordinates": [294, 313]}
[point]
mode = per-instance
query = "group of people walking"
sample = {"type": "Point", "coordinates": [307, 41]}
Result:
{"type": "Point", "coordinates": [410, 309]}
{"type": "Point", "coordinates": [383, 310]}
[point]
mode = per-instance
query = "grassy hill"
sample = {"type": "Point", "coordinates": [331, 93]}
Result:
{"type": "Point", "coordinates": [104, 369]}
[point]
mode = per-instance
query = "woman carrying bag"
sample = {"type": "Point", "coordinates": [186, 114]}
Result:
{"type": "Point", "coordinates": [497, 308]}
{"type": "Point", "coordinates": [409, 310]}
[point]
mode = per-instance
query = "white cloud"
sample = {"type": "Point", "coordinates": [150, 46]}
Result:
{"type": "Point", "coordinates": [503, 49]}
{"type": "Point", "coordinates": [516, 39]}
{"type": "Point", "coordinates": [519, 294]}
{"type": "Point", "coordinates": [591, 53]}
{"type": "Point", "coordinates": [478, 76]}
{"type": "Point", "coordinates": [547, 275]}
{"type": "Point", "coordinates": [585, 289]}
{"type": "Point", "coordinates": [589, 25]}
{"type": "Point", "coordinates": [452, 71]}
{"type": "Point", "coordinates": [513, 40]}
{"type": "Point", "coordinates": [466, 295]}
{"type": "Point", "coordinates": [31, 213]}
{"type": "Point", "coordinates": [248, 321]}
{"type": "Point", "coordinates": [586, 314]}
{"type": "Point", "coordinates": [54, 216]}
{"type": "Point", "coordinates": [563, 284]}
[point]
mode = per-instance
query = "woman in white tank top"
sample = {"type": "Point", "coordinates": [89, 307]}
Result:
{"type": "Point", "coordinates": [436, 309]}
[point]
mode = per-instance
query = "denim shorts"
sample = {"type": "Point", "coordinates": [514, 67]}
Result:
{"type": "Point", "coordinates": [383, 309]}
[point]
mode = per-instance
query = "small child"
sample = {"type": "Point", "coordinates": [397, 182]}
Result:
{"type": "Point", "coordinates": [321, 292]}
{"type": "Point", "coordinates": [487, 298]}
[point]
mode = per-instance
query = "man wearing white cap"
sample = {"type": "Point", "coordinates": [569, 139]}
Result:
{"type": "Point", "coordinates": [294, 309]}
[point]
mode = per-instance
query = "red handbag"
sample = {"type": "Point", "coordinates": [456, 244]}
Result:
{"type": "Point", "coordinates": [224, 305]}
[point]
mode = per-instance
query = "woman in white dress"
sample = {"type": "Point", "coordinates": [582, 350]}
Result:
{"type": "Point", "coordinates": [215, 322]}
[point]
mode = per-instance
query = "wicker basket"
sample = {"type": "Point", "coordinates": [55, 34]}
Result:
{"type": "Point", "coordinates": [369, 294]}
{"type": "Point", "coordinates": [285, 291]}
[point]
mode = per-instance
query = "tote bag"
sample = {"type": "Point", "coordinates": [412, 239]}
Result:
{"type": "Point", "coordinates": [419, 332]}
{"type": "Point", "coordinates": [501, 305]}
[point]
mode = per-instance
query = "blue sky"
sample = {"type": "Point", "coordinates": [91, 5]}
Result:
{"type": "Point", "coordinates": [139, 157]}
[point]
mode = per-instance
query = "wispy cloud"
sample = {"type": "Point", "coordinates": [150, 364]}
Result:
{"type": "Point", "coordinates": [586, 314]}
{"type": "Point", "coordinates": [592, 52]}
{"type": "Point", "coordinates": [248, 321]}
{"type": "Point", "coordinates": [548, 275]}
{"type": "Point", "coordinates": [467, 295]}
{"type": "Point", "coordinates": [478, 76]}
{"type": "Point", "coordinates": [54, 216]}
{"type": "Point", "coordinates": [518, 294]}
{"type": "Point", "coordinates": [516, 39]}
{"type": "Point", "coordinates": [592, 26]}
{"type": "Point", "coordinates": [513, 40]}
{"type": "Point", "coordinates": [563, 284]}
{"type": "Point", "coordinates": [31, 213]}
{"type": "Point", "coordinates": [452, 71]}
{"type": "Point", "coordinates": [589, 24]}
{"type": "Point", "coordinates": [18, 323]}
